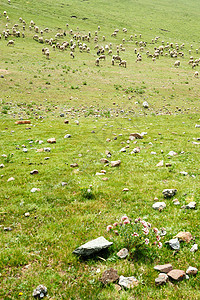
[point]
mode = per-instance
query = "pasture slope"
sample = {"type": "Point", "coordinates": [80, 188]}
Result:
{"type": "Point", "coordinates": [103, 105]}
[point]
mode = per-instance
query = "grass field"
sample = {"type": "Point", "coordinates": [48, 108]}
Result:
{"type": "Point", "coordinates": [100, 102]}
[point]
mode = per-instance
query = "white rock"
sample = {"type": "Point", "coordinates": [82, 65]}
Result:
{"type": "Point", "coordinates": [25, 150]}
{"type": "Point", "coordinates": [191, 205]}
{"type": "Point", "coordinates": [10, 179]}
{"type": "Point", "coordinates": [184, 173]}
{"type": "Point", "coordinates": [33, 190]}
{"type": "Point", "coordinates": [194, 248]}
{"type": "Point", "coordinates": [192, 271]}
{"type": "Point", "coordinates": [160, 164]}
{"type": "Point", "coordinates": [27, 214]}
{"type": "Point", "coordinates": [145, 104]}
{"type": "Point", "coordinates": [159, 205]}
{"type": "Point", "coordinates": [172, 153]}
{"type": "Point", "coordinates": [128, 282]}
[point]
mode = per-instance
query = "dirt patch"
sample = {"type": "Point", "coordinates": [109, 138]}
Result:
{"type": "Point", "coordinates": [4, 71]}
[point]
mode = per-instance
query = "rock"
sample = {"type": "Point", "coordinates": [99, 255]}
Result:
{"type": "Point", "coordinates": [192, 271]}
{"type": "Point", "coordinates": [99, 173]}
{"type": "Point", "coordinates": [122, 150]}
{"type": "Point", "coordinates": [23, 122]}
{"type": "Point", "coordinates": [177, 275]}
{"type": "Point", "coordinates": [105, 178]}
{"type": "Point", "coordinates": [93, 246]}
{"type": "Point", "coordinates": [168, 165]}
{"type": "Point", "coordinates": [160, 164]}
{"type": "Point", "coordinates": [2, 166]}
{"type": "Point", "coordinates": [172, 153]}
{"type": "Point", "coordinates": [159, 205]}
{"type": "Point", "coordinates": [153, 153]}
{"type": "Point", "coordinates": [136, 135]}
{"type": "Point", "coordinates": [191, 205]}
{"type": "Point", "coordinates": [125, 190]}
{"type": "Point", "coordinates": [108, 153]}
{"type": "Point", "coordinates": [164, 268]}
{"type": "Point", "coordinates": [104, 160]}
{"type": "Point", "coordinates": [34, 172]}
{"type": "Point", "coordinates": [27, 214]}
{"type": "Point", "coordinates": [184, 236]}
{"type": "Point", "coordinates": [51, 141]}
{"type": "Point", "coordinates": [47, 157]}
{"type": "Point", "coordinates": [48, 149]}
{"type": "Point", "coordinates": [128, 282]}
{"type": "Point", "coordinates": [118, 287]}
{"type": "Point", "coordinates": [109, 276]}
{"type": "Point", "coordinates": [10, 179]}
{"type": "Point", "coordinates": [174, 243]}
{"type": "Point", "coordinates": [115, 163]}
{"type": "Point", "coordinates": [40, 142]}
{"type": "Point", "coordinates": [161, 279]}
{"type": "Point", "coordinates": [123, 253]}
{"type": "Point", "coordinates": [145, 104]}
{"type": "Point", "coordinates": [135, 150]}
{"type": "Point", "coordinates": [7, 229]}
{"type": "Point", "coordinates": [184, 173]}
{"type": "Point", "coordinates": [40, 291]}
{"type": "Point", "coordinates": [62, 115]}
{"type": "Point", "coordinates": [194, 248]}
{"type": "Point", "coordinates": [168, 193]}
{"type": "Point", "coordinates": [67, 136]}
{"type": "Point", "coordinates": [74, 165]}
{"type": "Point", "coordinates": [197, 126]}
{"type": "Point", "coordinates": [33, 190]}
{"type": "Point", "coordinates": [64, 183]}
{"type": "Point", "coordinates": [40, 150]}
{"type": "Point", "coordinates": [108, 140]}
{"type": "Point", "coordinates": [66, 121]}
{"type": "Point", "coordinates": [176, 202]}
{"type": "Point", "coordinates": [25, 150]}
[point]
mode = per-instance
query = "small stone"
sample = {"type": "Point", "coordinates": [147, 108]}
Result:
{"type": "Point", "coordinates": [168, 193]}
{"type": "Point", "coordinates": [47, 157]}
{"type": "Point", "coordinates": [184, 236]}
{"type": "Point", "coordinates": [118, 287]}
{"type": "Point", "coordinates": [164, 268]}
{"type": "Point", "coordinates": [194, 248]}
{"type": "Point", "coordinates": [123, 253]}
{"type": "Point", "coordinates": [62, 115]}
{"type": "Point", "coordinates": [135, 150]}
{"type": "Point", "coordinates": [40, 150]}
{"type": "Point", "coordinates": [99, 173]}
{"type": "Point", "coordinates": [161, 279]}
{"type": "Point", "coordinates": [40, 291]}
{"type": "Point", "coordinates": [115, 163]}
{"type": "Point", "coordinates": [2, 166]}
{"type": "Point", "coordinates": [145, 104]}
{"type": "Point", "coordinates": [66, 121]}
{"type": "Point", "coordinates": [33, 190]}
{"type": "Point", "coordinates": [160, 164]}
{"type": "Point", "coordinates": [192, 271]}
{"type": "Point", "coordinates": [184, 173]}
{"type": "Point", "coordinates": [105, 178]}
{"type": "Point", "coordinates": [125, 190]}
{"type": "Point", "coordinates": [197, 126]}
{"type": "Point", "coordinates": [34, 172]}
{"type": "Point", "coordinates": [48, 149]}
{"type": "Point", "coordinates": [177, 275]}
{"type": "Point", "coordinates": [104, 160]}
{"type": "Point", "coordinates": [153, 153]}
{"type": "Point", "coordinates": [64, 183]}
{"type": "Point", "coordinates": [176, 202]}
{"type": "Point", "coordinates": [191, 205]}
{"type": "Point", "coordinates": [51, 141]}
{"type": "Point", "coordinates": [40, 142]}
{"type": "Point", "coordinates": [27, 214]}
{"type": "Point", "coordinates": [109, 276]}
{"type": "Point", "coordinates": [7, 229]}
{"type": "Point", "coordinates": [128, 282]}
{"type": "Point", "coordinates": [25, 150]}
{"type": "Point", "coordinates": [136, 135]}
{"type": "Point", "coordinates": [67, 136]}
{"type": "Point", "coordinates": [122, 150]}
{"type": "Point", "coordinates": [159, 205]}
{"type": "Point", "coordinates": [10, 179]}
{"type": "Point", "coordinates": [174, 244]}
{"type": "Point", "coordinates": [172, 153]}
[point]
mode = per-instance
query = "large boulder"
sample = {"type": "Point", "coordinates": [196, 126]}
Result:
{"type": "Point", "coordinates": [93, 246]}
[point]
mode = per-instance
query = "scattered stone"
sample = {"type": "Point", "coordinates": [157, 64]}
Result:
{"type": "Point", "coordinates": [160, 164]}
{"type": "Point", "coordinates": [159, 205]}
{"type": "Point", "coordinates": [161, 279]}
{"type": "Point", "coordinates": [125, 190]}
{"type": "Point", "coordinates": [128, 282]}
{"type": "Point", "coordinates": [93, 246]}
{"type": "Point", "coordinates": [108, 140]}
{"type": "Point", "coordinates": [40, 142]}
{"type": "Point", "coordinates": [168, 165]}
{"type": "Point", "coordinates": [192, 271]}
{"type": "Point", "coordinates": [99, 173]}
{"type": "Point", "coordinates": [64, 183]}
{"type": "Point", "coordinates": [47, 157]}
{"type": "Point", "coordinates": [172, 153]}
{"type": "Point", "coordinates": [136, 135]}
{"type": "Point", "coordinates": [33, 190]}
{"type": "Point", "coordinates": [104, 160]}
{"type": "Point", "coordinates": [51, 141]}
{"type": "Point", "coordinates": [122, 150]}
{"type": "Point", "coordinates": [164, 268]}
{"type": "Point", "coordinates": [197, 126]}
{"type": "Point", "coordinates": [118, 287]}
{"type": "Point", "coordinates": [27, 214]}
{"type": "Point", "coordinates": [108, 153]}
{"type": "Point", "coordinates": [34, 172]}
{"type": "Point", "coordinates": [40, 291]}
{"type": "Point", "coordinates": [25, 150]}
{"type": "Point", "coordinates": [174, 244]}
{"type": "Point", "coordinates": [123, 253]}
{"type": "Point", "coordinates": [62, 115]}
{"type": "Point", "coordinates": [177, 275]}
{"type": "Point", "coordinates": [105, 178]}
{"type": "Point", "coordinates": [23, 122]}
{"type": "Point", "coordinates": [153, 153]}
{"type": "Point", "coordinates": [66, 121]}
{"type": "Point", "coordinates": [67, 136]}
{"type": "Point", "coordinates": [194, 248]}
{"type": "Point", "coordinates": [7, 229]}
{"type": "Point", "coordinates": [135, 150]}
{"type": "Point", "coordinates": [40, 150]}
{"type": "Point", "coordinates": [48, 149]}
{"type": "Point", "coordinates": [10, 179]}
{"type": "Point", "coordinates": [74, 165]}
{"type": "Point", "coordinates": [115, 163]}
{"type": "Point", "coordinates": [176, 202]}
{"type": "Point", "coordinates": [184, 173]}
{"type": "Point", "coordinates": [2, 166]}
{"type": "Point", "coordinates": [168, 193]}
{"type": "Point", "coordinates": [191, 205]}
{"type": "Point", "coordinates": [145, 104]}
{"type": "Point", "coordinates": [109, 276]}
{"type": "Point", "coordinates": [184, 236]}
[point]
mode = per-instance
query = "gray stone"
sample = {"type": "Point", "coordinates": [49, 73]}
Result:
{"type": "Point", "coordinates": [109, 276]}
{"type": "Point", "coordinates": [7, 229]}
{"type": "Point", "coordinates": [184, 173]}
{"type": "Point", "coordinates": [67, 136]}
{"type": "Point", "coordinates": [136, 135]}
{"type": "Point", "coordinates": [135, 150]}
{"type": "Point", "coordinates": [161, 279]}
{"type": "Point", "coordinates": [192, 271]}
{"type": "Point", "coordinates": [163, 268]}
{"type": "Point", "coordinates": [62, 115]}
{"type": "Point", "coordinates": [145, 104]}
{"type": "Point", "coordinates": [115, 163]}
{"type": "Point", "coordinates": [172, 153]}
{"type": "Point", "coordinates": [159, 205]}
{"type": "Point", "coordinates": [194, 248]}
{"type": "Point", "coordinates": [191, 205]}
{"type": "Point", "coordinates": [123, 150]}
{"type": "Point", "coordinates": [168, 193]}
{"type": "Point", "coordinates": [93, 246]}
{"type": "Point", "coordinates": [2, 166]}
{"type": "Point", "coordinates": [48, 149]}
{"type": "Point", "coordinates": [40, 291]}
{"type": "Point", "coordinates": [123, 253]}
{"type": "Point", "coordinates": [128, 282]}
{"type": "Point", "coordinates": [174, 243]}
{"type": "Point", "coordinates": [64, 183]}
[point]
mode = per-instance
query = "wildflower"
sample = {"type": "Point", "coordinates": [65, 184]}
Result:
{"type": "Point", "coordinates": [155, 230]}
{"type": "Point", "coordinates": [144, 223]}
{"type": "Point", "coordinates": [124, 218]}
{"type": "Point", "coordinates": [126, 221]}
{"type": "Point", "coordinates": [146, 241]}
{"type": "Point", "coordinates": [149, 225]}
{"type": "Point", "coordinates": [135, 234]}
{"type": "Point", "coordinates": [146, 231]}
{"type": "Point", "coordinates": [115, 224]}
{"type": "Point", "coordinates": [154, 243]}
{"type": "Point", "coordinates": [159, 245]}
{"type": "Point", "coordinates": [109, 227]}
{"type": "Point", "coordinates": [136, 220]}
{"type": "Point", "coordinates": [158, 238]}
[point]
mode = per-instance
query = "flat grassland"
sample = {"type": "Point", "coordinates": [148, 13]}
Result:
{"type": "Point", "coordinates": [100, 103]}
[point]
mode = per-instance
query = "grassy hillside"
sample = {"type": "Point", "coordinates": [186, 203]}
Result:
{"type": "Point", "coordinates": [103, 105]}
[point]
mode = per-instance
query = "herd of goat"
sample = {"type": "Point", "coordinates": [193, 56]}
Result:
{"type": "Point", "coordinates": [84, 42]}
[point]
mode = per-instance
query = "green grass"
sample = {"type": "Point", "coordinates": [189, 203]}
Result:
{"type": "Point", "coordinates": [107, 100]}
